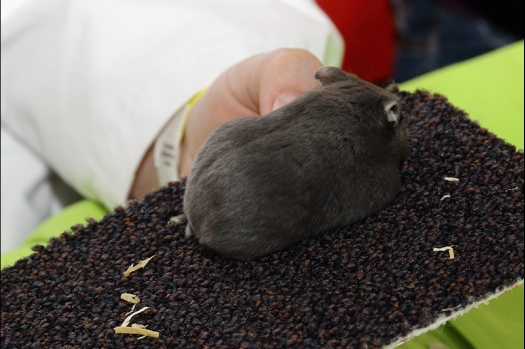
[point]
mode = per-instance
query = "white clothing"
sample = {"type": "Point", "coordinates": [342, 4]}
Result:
{"type": "Point", "coordinates": [87, 85]}
{"type": "Point", "coordinates": [30, 191]}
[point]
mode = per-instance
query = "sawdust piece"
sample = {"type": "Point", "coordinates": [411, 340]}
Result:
{"type": "Point", "coordinates": [132, 309]}
{"type": "Point", "coordinates": [136, 330]}
{"type": "Point", "coordinates": [450, 250]}
{"type": "Point", "coordinates": [128, 297]}
{"type": "Point", "coordinates": [140, 326]}
{"type": "Point", "coordinates": [139, 265]}
{"type": "Point", "coordinates": [451, 179]}
{"type": "Point", "coordinates": [445, 197]}
{"type": "Point", "coordinates": [128, 319]}
{"type": "Point", "coordinates": [175, 220]}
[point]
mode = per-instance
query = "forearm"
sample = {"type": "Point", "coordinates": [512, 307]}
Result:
{"type": "Point", "coordinates": [90, 97]}
{"type": "Point", "coordinates": [145, 177]}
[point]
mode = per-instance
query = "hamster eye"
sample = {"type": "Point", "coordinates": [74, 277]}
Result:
{"type": "Point", "coordinates": [392, 114]}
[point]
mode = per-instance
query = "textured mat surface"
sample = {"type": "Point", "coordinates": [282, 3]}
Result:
{"type": "Point", "coordinates": [368, 285]}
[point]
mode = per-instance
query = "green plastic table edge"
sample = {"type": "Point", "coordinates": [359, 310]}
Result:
{"type": "Point", "coordinates": [489, 88]}
{"type": "Point", "coordinates": [486, 86]}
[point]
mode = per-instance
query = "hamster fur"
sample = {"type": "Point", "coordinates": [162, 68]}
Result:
{"type": "Point", "coordinates": [328, 159]}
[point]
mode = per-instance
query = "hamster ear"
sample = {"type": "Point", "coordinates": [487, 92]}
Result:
{"type": "Point", "coordinates": [327, 75]}
{"type": "Point", "coordinates": [392, 114]}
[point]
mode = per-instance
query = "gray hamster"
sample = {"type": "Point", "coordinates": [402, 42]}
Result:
{"type": "Point", "coordinates": [328, 159]}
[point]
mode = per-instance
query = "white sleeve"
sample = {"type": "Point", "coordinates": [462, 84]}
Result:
{"type": "Point", "coordinates": [88, 84]}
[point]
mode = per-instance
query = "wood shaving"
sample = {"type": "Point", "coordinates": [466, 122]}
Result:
{"type": "Point", "coordinates": [450, 250]}
{"type": "Point", "coordinates": [175, 220]}
{"type": "Point", "coordinates": [136, 330]}
{"type": "Point", "coordinates": [139, 326]}
{"type": "Point", "coordinates": [451, 179]}
{"type": "Point", "coordinates": [132, 309]}
{"type": "Point", "coordinates": [128, 319]}
{"type": "Point", "coordinates": [139, 265]}
{"type": "Point", "coordinates": [445, 197]}
{"type": "Point", "coordinates": [128, 297]}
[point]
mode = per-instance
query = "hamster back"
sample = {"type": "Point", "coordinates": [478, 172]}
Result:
{"type": "Point", "coordinates": [328, 159]}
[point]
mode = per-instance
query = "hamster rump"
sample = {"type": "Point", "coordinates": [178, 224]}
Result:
{"type": "Point", "coordinates": [233, 202]}
{"type": "Point", "coordinates": [328, 159]}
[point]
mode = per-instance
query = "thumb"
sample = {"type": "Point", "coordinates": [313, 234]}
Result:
{"type": "Point", "coordinates": [284, 75]}
{"type": "Point", "coordinates": [283, 99]}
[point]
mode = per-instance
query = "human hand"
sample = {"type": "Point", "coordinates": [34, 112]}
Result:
{"type": "Point", "coordinates": [255, 86]}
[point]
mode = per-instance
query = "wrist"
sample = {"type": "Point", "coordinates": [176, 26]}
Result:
{"type": "Point", "coordinates": [166, 150]}
{"type": "Point", "coordinates": [170, 150]}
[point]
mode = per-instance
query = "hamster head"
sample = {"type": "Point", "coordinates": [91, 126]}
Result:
{"type": "Point", "coordinates": [375, 110]}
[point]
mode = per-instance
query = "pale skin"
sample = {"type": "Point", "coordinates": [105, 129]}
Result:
{"type": "Point", "coordinates": [254, 86]}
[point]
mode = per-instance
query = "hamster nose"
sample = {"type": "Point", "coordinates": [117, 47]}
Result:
{"type": "Point", "coordinates": [392, 113]}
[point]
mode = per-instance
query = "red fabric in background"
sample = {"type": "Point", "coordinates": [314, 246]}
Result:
{"type": "Point", "coordinates": [368, 29]}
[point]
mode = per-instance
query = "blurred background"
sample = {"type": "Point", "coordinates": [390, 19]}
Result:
{"type": "Point", "coordinates": [436, 33]}
{"type": "Point", "coordinates": [403, 39]}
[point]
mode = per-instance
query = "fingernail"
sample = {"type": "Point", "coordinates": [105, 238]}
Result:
{"type": "Point", "coordinates": [283, 99]}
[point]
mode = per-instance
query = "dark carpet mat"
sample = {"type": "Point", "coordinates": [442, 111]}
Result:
{"type": "Point", "coordinates": [368, 285]}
